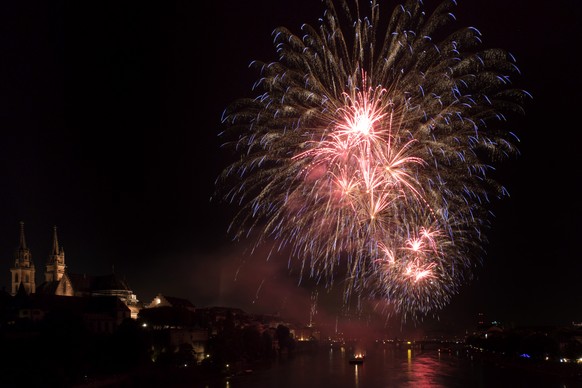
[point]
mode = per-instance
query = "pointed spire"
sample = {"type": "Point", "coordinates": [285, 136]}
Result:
{"type": "Point", "coordinates": [55, 250]}
{"type": "Point", "coordinates": [22, 244]}
{"type": "Point", "coordinates": [22, 254]}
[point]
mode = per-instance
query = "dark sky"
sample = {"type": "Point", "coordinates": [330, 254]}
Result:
{"type": "Point", "coordinates": [109, 115]}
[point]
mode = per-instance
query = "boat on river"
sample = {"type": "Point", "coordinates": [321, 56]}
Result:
{"type": "Point", "coordinates": [357, 358]}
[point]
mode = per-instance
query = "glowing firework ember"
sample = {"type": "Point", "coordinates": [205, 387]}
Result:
{"type": "Point", "coordinates": [369, 152]}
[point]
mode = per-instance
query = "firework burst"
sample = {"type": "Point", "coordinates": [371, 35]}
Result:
{"type": "Point", "coordinates": [369, 150]}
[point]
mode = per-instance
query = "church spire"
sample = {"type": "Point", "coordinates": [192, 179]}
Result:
{"type": "Point", "coordinates": [22, 252]}
{"type": "Point", "coordinates": [55, 267]}
{"type": "Point", "coordinates": [55, 250]}
{"type": "Point", "coordinates": [22, 245]}
{"type": "Point", "coordinates": [23, 272]}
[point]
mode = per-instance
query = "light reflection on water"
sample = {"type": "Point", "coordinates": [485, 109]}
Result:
{"type": "Point", "coordinates": [387, 367]}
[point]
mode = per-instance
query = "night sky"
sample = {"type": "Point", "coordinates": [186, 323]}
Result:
{"type": "Point", "coordinates": [109, 115]}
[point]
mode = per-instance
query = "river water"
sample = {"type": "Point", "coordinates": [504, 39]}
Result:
{"type": "Point", "coordinates": [393, 367]}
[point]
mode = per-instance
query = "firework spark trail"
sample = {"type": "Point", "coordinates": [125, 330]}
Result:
{"type": "Point", "coordinates": [374, 156]}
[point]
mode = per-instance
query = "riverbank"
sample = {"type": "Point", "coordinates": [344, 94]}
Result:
{"type": "Point", "coordinates": [568, 370]}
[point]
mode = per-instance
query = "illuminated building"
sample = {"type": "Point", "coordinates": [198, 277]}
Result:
{"type": "Point", "coordinates": [58, 281]}
{"type": "Point", "coordinates": [23, 272]}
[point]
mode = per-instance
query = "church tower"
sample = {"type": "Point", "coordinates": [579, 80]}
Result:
{"type": "Point", "coordinates": [55, 267]}
{"type": "Point", "coordinates": [23, 271]}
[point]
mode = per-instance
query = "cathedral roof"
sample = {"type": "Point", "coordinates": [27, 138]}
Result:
{"type": "Point", "coordinates": [80, 282]}
{"type": "Point", "coordinates": [109, 282]}
{"type": "Point", "coordinates": [83, 282]}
